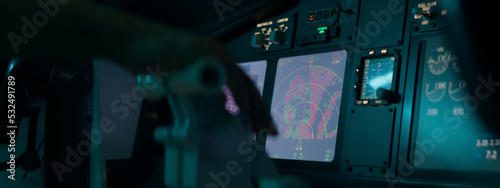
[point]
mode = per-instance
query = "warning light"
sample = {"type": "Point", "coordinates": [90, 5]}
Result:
{"type": "Point", "coordinates": [322, 30]}
{"type": "Point", "coordinates": [311, 17]}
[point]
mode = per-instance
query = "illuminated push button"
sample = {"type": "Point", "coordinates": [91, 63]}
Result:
{"type": "Point", "coordinates": [319, 15]}
{"type": "Point", "coordinates": [276, 37]}
{"type": "Point", "coordinates": [257, 40]}
{"type": "Point", "coordinates": [311, 17]}
{"type": "Point", "coordinates": [333, 31]}
{"type": "Point", "coordinates": [322, 35]}
{"type": "Point", "coordinates": [321, 38]}
{"type": "Point", "coordinates": [311, 39]}
{"type": "Point", "coordinates": [326, 14]}
{"type": "Point", "coordinates": [300, 41]}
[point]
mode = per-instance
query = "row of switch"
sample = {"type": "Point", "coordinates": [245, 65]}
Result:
{"type": "Point", "coordinates": [311, 39]}
{"type": "Point", "coordinates": [319, 15]}
{"type": "Point", "coordinates": [322, 36]}
{"type": "Point", "coordinates": [275, 37]}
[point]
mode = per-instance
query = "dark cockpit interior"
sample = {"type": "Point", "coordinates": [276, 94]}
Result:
{"type": "Point", "coordinates": [240, 93]}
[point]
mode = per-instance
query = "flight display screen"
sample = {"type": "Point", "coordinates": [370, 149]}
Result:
{"type": "Point", "coordinates": [305, 106]}
{"type": "Point", "coordinates": [256, 70]}
{"type": "Point", "coordinates": [377, 73]}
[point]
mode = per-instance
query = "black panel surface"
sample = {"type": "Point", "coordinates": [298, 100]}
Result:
{"type": "Point", "coordinates": [368, 136]}
{"type": "Point", "coordinates": [381, 24]}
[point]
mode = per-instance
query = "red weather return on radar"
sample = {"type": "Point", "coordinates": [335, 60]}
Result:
{"type": "Point", "coordinates": [319, 79]}
{"type": "Point", "coordinates": [305, 106]}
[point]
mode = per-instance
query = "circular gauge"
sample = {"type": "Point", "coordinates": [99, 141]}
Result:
{"type": "Point", "coordinates": [455, 63]}
{"type": "Point", "coordinates": [439, 64]}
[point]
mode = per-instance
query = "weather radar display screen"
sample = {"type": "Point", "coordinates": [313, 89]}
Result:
{"type": "Point", "coordinates": [377, 73]}
{"type": "Point", "coordinates": [305, 106]}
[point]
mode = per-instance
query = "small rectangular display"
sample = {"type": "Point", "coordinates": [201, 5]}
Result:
{"type": "Point", "coordinates": [305, 106]}
{"type": "Point", "coordinates": [377, 73]}
{"type": "Point", "coordinates": [256, 70]}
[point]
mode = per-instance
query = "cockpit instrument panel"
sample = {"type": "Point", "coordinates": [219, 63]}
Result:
{"type": "Point", "coordinates": [376, 83]}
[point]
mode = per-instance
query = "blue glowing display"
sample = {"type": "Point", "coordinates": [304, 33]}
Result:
{"type": "Point", "coordinates": [377, 73]}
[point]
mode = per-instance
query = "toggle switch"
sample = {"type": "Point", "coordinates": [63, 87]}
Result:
{"type": "Point", "coordinates": [276, 37]}
{"type": "Point", "coordinates": [420, 13]}
{"type": "Point", "coordinates": [257, 40]}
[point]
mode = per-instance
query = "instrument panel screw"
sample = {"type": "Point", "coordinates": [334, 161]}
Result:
{"type": "Point", "coordinates": [383, 170]}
